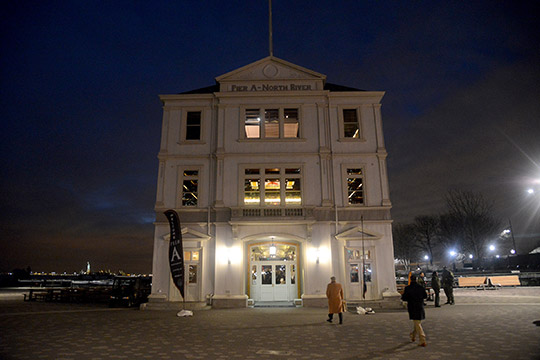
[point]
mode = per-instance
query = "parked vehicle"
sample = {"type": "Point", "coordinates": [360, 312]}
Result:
{"type": "Point", "coordinates": [130, 290]}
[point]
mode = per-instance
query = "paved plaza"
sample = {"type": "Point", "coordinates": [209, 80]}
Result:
{"type": "Point", "coordinates": [482, 325]}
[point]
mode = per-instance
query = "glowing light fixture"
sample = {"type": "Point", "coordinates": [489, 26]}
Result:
{"type": "Point", "coordinates": [273, 248]}
{"type": "Point", "coordinates": [491, 247]}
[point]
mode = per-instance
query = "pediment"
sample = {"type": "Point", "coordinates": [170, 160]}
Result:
{"type": "Point", "coordinates": [189, 235]}
{"type": "Point", "coordinates": [277, 73]}
{"type": "Point", "coordinates": [357, 233]}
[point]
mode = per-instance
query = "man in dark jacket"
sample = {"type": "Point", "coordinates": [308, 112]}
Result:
{"type": "Point", "coordinates": [448, 285]}
{"type": "Point", "coordinates": [436, 286]}
{"type": "Point", "coordinates": [414, 295]}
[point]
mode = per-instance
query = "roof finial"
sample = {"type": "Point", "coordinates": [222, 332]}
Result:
{"type": "Point", "coordinates": [271, 48]}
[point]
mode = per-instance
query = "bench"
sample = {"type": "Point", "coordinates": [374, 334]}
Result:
{"type": "Point", "coordinates": [508, 280]}
{"type": "Point", "coordinates": [472, 281]}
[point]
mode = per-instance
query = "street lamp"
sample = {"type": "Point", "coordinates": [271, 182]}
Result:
{"type": "Point", "coordinates": [492, 247]}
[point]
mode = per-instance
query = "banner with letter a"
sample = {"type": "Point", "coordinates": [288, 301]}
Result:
{"type": "Point", "coordinates": [176, 252]}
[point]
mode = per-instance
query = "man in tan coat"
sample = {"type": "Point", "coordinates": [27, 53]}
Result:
{"type": "Point", "coordinates": [334, 293]}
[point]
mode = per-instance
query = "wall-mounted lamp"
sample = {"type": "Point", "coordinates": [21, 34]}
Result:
{"type": "Point", "coordinates": [318, 254]}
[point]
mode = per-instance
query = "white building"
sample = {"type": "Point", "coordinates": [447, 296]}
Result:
{"type": "Point", "coordinates": [271, 171]}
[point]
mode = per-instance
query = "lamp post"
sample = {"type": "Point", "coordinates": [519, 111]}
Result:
{"type": "Point", "coordinates": [513, 240]}
{"type": "Point", "coordinates": [453, 254]}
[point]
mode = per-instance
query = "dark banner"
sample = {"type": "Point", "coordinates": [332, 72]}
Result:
{"type": "Point", "coordinates": [176, 252]}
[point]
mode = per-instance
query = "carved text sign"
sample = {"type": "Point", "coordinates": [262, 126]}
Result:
{"type": "Point", "coordinates": [271, 87]}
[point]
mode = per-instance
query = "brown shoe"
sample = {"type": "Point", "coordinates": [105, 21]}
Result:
{"type": "Point", "coordinates": [424, 344]}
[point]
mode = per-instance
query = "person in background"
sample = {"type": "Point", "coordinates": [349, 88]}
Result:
{"type": "Point", "coordinates": [414, 295]}
{"type": "Point", "coordinates": [334, 293]}
{"type": "Point", "coordinates": [448, 285]}
{"type": "Point", "coordinates": [436, 286]}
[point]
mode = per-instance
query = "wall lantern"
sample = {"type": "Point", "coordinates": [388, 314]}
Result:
{"type": "Point", "coordinates": [273, 248]}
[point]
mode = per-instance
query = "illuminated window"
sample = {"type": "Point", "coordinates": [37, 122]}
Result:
{"type": "Point", "coordinates": [190, 185]}
{"type": "Point", "coordinates": [272, 187]}
{"type": "Point", "coordinates": [272, 191]}
{"type": "Point", "coordinates": [355, 189]}
{"type": "Point", "coordinates": [290, 123]}
{"type": "Point", "coordinates": [353, 273]}
{"type": "Point", "coordinates": [356, 254]}
{"type": "Point", "coordinates": [254, 274]}
{"type": "Point", "coordinates": [192, 274]}
{"type": "Point", "coordinates": [253, 124]}
{"type": "Point", "coordinates": [275, 123]}
{"type": "Point", "coordinates": [271, 123]}
{"type": "Point", "coordinates": [351, 127]}
{"type": "Point", "coordinates": [193, 125]}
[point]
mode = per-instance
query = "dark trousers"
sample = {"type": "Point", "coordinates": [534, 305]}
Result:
{"type": "Point", "coordinates": [437, 296]}
{"type": "Point", "coordinates": [331, 316]}
{"type": "Point", "coordinates": [449, 292]}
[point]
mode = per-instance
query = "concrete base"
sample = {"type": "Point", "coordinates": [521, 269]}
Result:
{"type": "Point", "coordinates": [229, 301]}
{"type": "Point", "coordinates": [159, 302]}
{"type": "Point", "coordinates": [387, 303]}
{"type": "Point", "coordinates": [319, 301]}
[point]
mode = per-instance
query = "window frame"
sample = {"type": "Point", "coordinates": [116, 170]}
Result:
{"type": "Point", "coordinates": [190, 261]}
{"type": "Point", "coordinates": [368, 263]}
{"type": "Point", "coordinates": [345, 186]}
{"type": "Point", "coordinates": [262, 125]}
{"type": "Point", "coordinates": [341, 121]}
{"type": "Point", "coordinates": [180, 186]}
{"type": "Point", "coordinates": [183, 127]}
{"type": "Point", "coordinates": [262, 176]}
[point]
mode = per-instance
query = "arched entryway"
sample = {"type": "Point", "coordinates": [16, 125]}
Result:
{"type": "Point", "coordinates": [273, 271]}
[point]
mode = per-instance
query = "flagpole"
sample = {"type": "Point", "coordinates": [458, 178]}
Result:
{"type": "Point", "coordinates": [364, 287]}
{"type": "Point", "coordinates": [270, 45]}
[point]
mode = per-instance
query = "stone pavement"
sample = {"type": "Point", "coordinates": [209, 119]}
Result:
{"type": "Point", "coordinates": [482, 325]}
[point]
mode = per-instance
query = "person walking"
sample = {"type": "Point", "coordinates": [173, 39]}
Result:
{"type": "Point", "coordinates": [436, 286]}
{"type": "Point", "coordinates": [414, 295]}
{"type": "Point", "coordinates": [334, 293]}
{"type": "Point", "coordinates": [448, 285]}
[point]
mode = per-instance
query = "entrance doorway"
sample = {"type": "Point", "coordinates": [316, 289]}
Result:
{"type": "Point", "coordinates": [273, 272]}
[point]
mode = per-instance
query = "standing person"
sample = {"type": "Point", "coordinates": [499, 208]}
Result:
{"type": "Point", "coordinates": [334, 293]}
{"type": "Point", "coordinates": [436, 286]}
{"type": "Point", "coordinates": [448, 285]}
{"type": "Point", "coordinates": [414, 295]}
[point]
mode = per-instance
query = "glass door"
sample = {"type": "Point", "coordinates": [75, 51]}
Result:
{"type": "Point", "coordinates": [267, 282]}
{"type": "Point", "coordinates": [273, 272]}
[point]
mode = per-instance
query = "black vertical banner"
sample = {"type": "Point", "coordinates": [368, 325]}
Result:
{"type": "Point", "coordinates": [176, 252]}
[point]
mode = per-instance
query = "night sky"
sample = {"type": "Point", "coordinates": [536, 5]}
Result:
{"type": "Point", "coordinates": [81, 117]}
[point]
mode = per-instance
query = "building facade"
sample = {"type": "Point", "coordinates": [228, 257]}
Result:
{"type": "Point", "coordinates": [279, 180]}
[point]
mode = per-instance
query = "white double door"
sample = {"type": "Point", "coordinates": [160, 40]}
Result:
{"type": "Point", "coordinates": [274, 281]}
